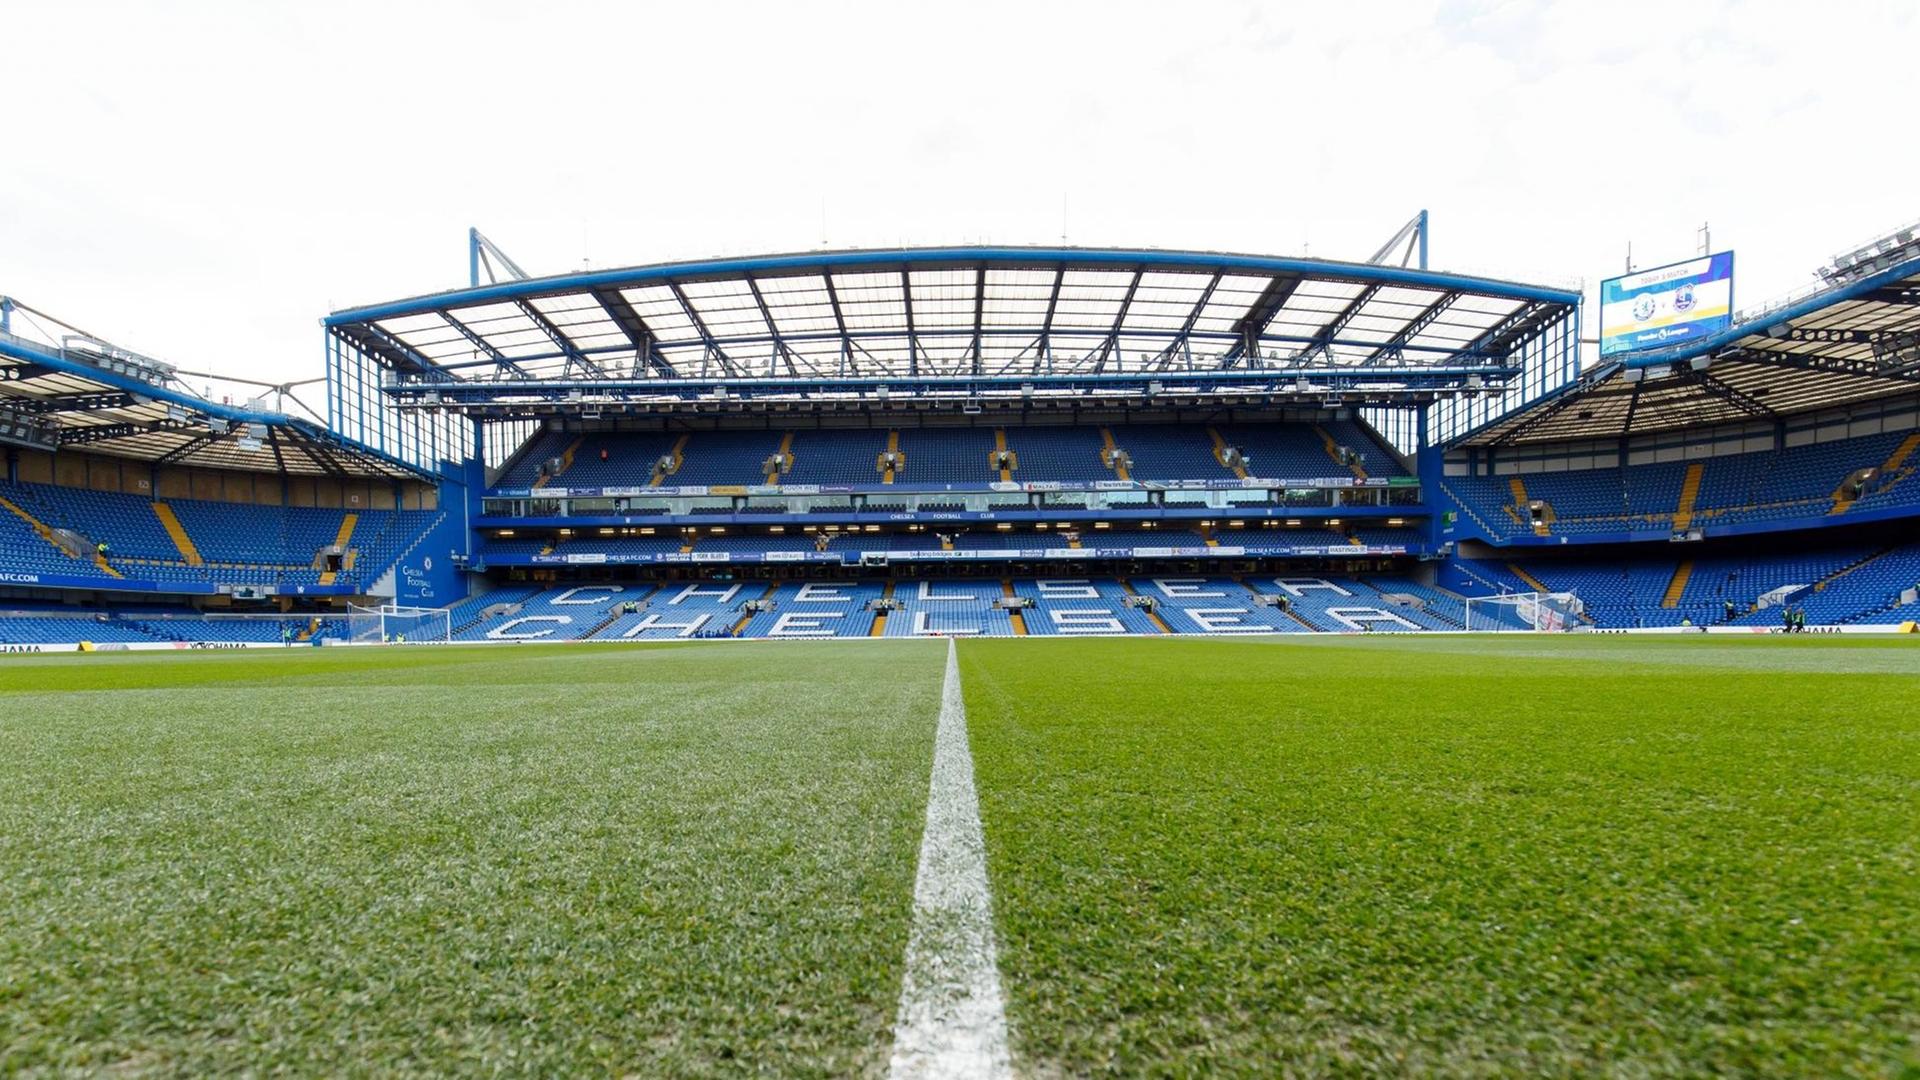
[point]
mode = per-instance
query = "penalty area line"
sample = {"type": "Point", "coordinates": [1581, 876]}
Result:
{"type": "Point", "coordinates": [952, 1020]}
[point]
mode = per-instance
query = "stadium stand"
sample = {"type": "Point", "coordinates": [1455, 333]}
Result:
{"type": "Point", "coordinates": [1801, 482]}
{"type": "Point", "coordinates": [207, 542]}
{"type": "Point", "coordinates": [1188, 490]}
{"type": "Point", "coordinates": [936, 456]}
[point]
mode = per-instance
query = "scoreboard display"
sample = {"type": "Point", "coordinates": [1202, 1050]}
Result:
{"type": "Point", "coordinates": [1666, 306]}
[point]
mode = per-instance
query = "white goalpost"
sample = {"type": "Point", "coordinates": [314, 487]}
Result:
{"type": "Point", "coordinates": [1524, 612]}
{"type": "Point", "coordinates": [398, 624]}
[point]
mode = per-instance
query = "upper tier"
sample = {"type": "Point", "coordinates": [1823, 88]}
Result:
{"type": "Point", "coordinates": [947, 457]}
{"type": "Point", "coordinates": [1821, 483]}
{"type": "Point", "coordinates": [192, 545]}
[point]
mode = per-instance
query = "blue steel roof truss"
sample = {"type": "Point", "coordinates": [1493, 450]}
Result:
{"type": "Point", "coordinates": [1855, 341]}
{"type": "Point", "coordinates": [500, 359]}
{"type": "Point", "coordinates": [637, 332]}
{"type": "Point", "coordinates": [118, 413]}
{"type": "Point", "coordinates": [928, 318]}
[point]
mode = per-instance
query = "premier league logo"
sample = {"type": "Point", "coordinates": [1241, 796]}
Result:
{"type": "Point", "coordinates": [1643, 308]}
{"type": "Point", "coordinates": [1683, 299]}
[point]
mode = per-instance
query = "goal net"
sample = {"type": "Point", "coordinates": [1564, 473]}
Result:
{"type": "Point", "coordinates": [397, 624]}
{"type": "Point", "coordinates": [1531, 611]}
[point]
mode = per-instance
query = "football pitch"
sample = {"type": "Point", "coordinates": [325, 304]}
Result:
{"type": "Point", "coordinates": [1352, 855]}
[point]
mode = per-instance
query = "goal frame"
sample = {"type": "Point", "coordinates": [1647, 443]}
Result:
{"type": "Point", "coordinates": [383, 624]}
{"type": "Point", "coordinates": [1538, 612]}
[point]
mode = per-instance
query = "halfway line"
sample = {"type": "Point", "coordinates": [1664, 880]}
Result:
{"type": "Point", "coordinates": [952, 1021]}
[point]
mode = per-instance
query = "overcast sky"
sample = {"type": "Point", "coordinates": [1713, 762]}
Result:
{"type": "Point", "coordinates": [203, 182]}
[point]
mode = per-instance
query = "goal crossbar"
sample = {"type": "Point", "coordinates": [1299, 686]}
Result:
{"type": "Point", "coordinates": [1547, 612]}
{"type": "Point", "coordinates": [398, 624]}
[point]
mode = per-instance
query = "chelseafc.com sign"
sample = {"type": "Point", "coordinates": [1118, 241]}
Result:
{"type": "Point", "coordinates": [1668, 305]}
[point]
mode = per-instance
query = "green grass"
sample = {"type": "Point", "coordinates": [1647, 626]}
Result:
{"type": "Point", "coordinates": [1532, 857]}
{"type": "Point", "coordinates": [656, 860]}
{"type": "Point", "coordinates": [1517, 856]}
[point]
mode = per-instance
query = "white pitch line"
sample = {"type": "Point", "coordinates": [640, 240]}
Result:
{"type": "Point", "coordinates": [952, 1020]}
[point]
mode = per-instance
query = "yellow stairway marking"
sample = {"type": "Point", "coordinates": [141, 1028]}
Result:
{"type": "Point", "coordinates": [1520, 501]}
{"type": "Point", "coordinates": [1678, 586]}
{"type": "Point", "coordinates": [786, 447]}
{"type": "Point", "coordinates": [44, 532]}
{"type": "Point", "coordinates": [340, 540]}
{"type": "Point", "coordinates": [1901, 453]}
{"type": "Point", "coordinates": [178, 533]}
{"type": "Point", "coordinates": [1015, 615]}
{"type": "Point", "coordinates": [893, 447]}
{"type": "Point", "coordinates": [1333, 451]}
{"type": "Point", "coordinates": [1689, 491]}
{"type": "Point", "coordinates": [880, 615]}
{"type": "Point", "coordinates": [687, 544]}
{"type": "Point", "coordinates": [1152, 616]}
{"type": "Point", "coordinates": [999, 447]}
{"type": "Point", "coordinates": [1521, 573]}
{"type": "Point", "coordinates": [1107, 448]}
{"type": "Point", "coordinates": [566, 456]}
{"type": "Point", "coordinates": [679, 455]}
{"type": "Point", "coordinates": [1843, 496]}
{"type": "Point", "coordinates": [748, 617]}
{"type": "Point", "coordinates": [1220, 453]}
{"type": "Point", "coordinates": [1821, 585]}
{"type": "Point", "coordinates": [1290, 613]}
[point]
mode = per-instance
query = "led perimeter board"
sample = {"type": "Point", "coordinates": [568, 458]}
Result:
{"type": "Point", "coordinates": [1668, 305]}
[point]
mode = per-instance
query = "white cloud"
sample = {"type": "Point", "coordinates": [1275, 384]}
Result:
{"type": "Point", "coordinates": [204, 182]}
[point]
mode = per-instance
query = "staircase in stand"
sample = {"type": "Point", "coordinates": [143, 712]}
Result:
{"type": "Point", "coordinates": [566, 456]}
{"type": "Point", "coordinates": [678, 455]}
{"type": "Point", "coordinates": [178, 533]}
{"type": "Point", "coordinates": [1821, 585]}
{"type": "Point", "coordinates": [1677, 586]}
{"type": "Point", "coordinates": [1220, 453]}
{"type": "Point", "coordinates": [1521, 501]}
{"type": "Point", "coordinates": [45, 532]}
{"type": "Point", "coordinates": [1689, 492]}
{"type": "Point", "coordinates": [879, 628]}
{"type": "Point", "coordinates": [1532, 582]}
{"type": "Point", "coordinates": [780, 456]}
{"type": "Point", "coordinates": [1892, 471]}
{"type": "Point", "coordinates": [1152, 616]}
{"type": "Point", "coordinates": [340, 540]}
{"type": "Point", "coordinates": [1107, 449]}
{"type": "Point", "coordinates": [740, 627]}
{"type": "Point", "coordinates": [1333, 451]}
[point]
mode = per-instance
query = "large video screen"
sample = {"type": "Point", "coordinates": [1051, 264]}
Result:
{"type": "Point", "coordinates": [1668, 305]}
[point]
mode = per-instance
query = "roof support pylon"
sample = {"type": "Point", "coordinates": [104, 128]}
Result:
{"type": "Point", "coordinates": [483, 253]}
{"type": "Point", "coordinates": [1410, 242]}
